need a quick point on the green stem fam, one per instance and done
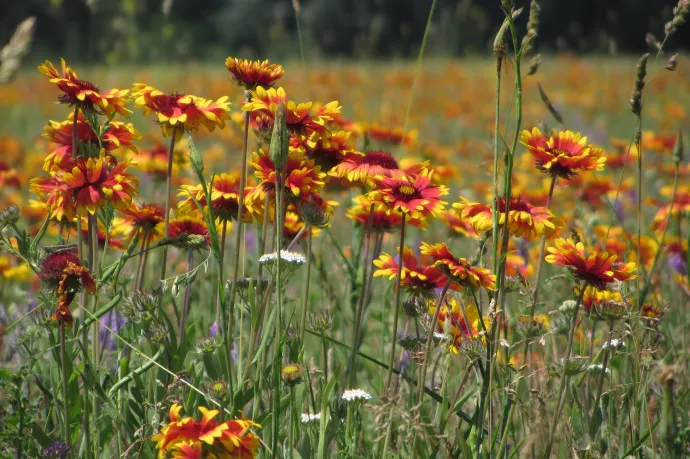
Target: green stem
(362, 299)
(279, 321)
(187, 292)
(65, 387)
(398, 284)
(305, 300)
(238, 234)
(168, 199)
(600, 383)
(564, 377)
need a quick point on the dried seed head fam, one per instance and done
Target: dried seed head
(206, 345)
(651, 41)
(532, 27)
(672, 62)
(320, 320)
(640, 74)
(9, 216)
(534, 65)
(680, 14)
(313, 215)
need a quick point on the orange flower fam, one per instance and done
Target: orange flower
(206, 437)
(142, 219)
(179, 112)
(224, 197)
(360, 169)
(417, 278)
(154, 161)
(84, 93)
(459, 269)
(250, 74)
(411, 195)
(458, 225)
(597, 269)
(669, 211)
(8, 176)
(299, 119)
(86, 187)
(564, 154)
(524, 219)
(394, 136)
(382, 220)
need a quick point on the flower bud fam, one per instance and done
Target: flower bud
(279, 146)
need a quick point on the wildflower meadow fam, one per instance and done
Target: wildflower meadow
(481, 257)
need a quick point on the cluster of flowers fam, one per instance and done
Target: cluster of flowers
(189, 438)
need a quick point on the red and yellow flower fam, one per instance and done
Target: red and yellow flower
(179, 112)
(84, 93)
(224, 197)
(154, 161)
(459, 226)
(596, 269)
(361, 170)
(564, 154)
(206, 437)
(303, 180)
(190, 231)
(524, 219)
(416, 277)
(250, 74)
(118, 135)
(143, 219)
(382, 220)
(86, 187)
(299, 119)
(463, 325)
(604, 303)
(414, 196)
(64, 273)
(458, 269)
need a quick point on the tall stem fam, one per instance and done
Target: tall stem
(305, 301)
(497, 112)
(240, 209)
(398, 281)
(362, 299)
(65, 387)
(148, 236)
(279, 304)
(429, 338)
(564, 375)
(223, 235)
(187, 292)
(168, 198)
(600, 383)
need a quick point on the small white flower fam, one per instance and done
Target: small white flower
(616, 344)
(309, 418)
(285, 256)
(504, 343)
(439, 336)
(355, 395)
(597, 369)
(568, 306)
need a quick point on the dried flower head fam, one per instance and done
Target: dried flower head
(320, 320)
(638, 85)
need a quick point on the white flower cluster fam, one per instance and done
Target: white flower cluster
(616, 344)
(355, 395)
(308, 418)
(597, 369)
(285, 256)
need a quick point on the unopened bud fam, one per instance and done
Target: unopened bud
(279, 139)
(678, 148)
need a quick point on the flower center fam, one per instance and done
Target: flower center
(407, 190)
(380, 158)
(83, 84)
